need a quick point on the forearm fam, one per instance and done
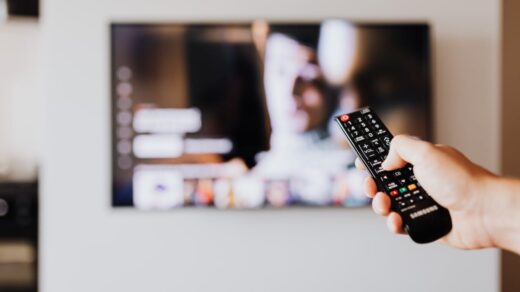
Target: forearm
(502, 218)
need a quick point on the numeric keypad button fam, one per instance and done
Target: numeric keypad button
(355, 134)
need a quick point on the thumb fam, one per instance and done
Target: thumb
(405, 149)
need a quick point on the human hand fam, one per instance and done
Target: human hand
(450, 178)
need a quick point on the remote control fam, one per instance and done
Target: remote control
(423, 218)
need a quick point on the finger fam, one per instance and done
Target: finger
(395, 223)
(359, 164)
(381, 204)
(370, 187)
(405, 149)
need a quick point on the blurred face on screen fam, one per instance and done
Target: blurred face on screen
(309, 105)
(294, 86)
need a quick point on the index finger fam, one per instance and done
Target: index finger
(405, 149)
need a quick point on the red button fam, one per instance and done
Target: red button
(394, 193)
(344, 118)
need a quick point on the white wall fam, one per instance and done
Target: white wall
(87, 246)
(20, 99)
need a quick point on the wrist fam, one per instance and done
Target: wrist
(500, 211)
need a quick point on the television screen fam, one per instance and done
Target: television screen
(241, 115)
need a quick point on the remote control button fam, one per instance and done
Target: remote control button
(381, 132)
(394, 193)
(367, 130)
(359, 120)
(376, 162)
(386, 140)
(399, 198)
(380, 150)
(403, 181)
(397, 173)
(403, 190)
(402, 204)
(365, 110)
(359, 139)
(407, 195)
(344, 118)
(368, 151)
(371, 155)
(412, 187)
(364, 146)
(376, 126)
(391, 185)
(384, 177)
(378, 169)
(416, 192)
(411, 201)
(375, 142)
(350, 129)
(355, 134)
(370, 135)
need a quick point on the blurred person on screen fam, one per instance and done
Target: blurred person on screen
(301, 105)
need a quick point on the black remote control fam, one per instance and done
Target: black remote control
(423, 218)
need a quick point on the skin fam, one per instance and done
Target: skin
(485, 208)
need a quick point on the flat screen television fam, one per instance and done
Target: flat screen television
(239, 115)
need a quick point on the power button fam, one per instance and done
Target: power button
(344, 118)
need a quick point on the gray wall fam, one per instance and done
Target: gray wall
(87, 246)
(20, 99)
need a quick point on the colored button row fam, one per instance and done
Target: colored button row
(403, 190)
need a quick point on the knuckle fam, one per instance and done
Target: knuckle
(424, 150)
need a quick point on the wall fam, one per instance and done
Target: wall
(87, 246)
(20, 102)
